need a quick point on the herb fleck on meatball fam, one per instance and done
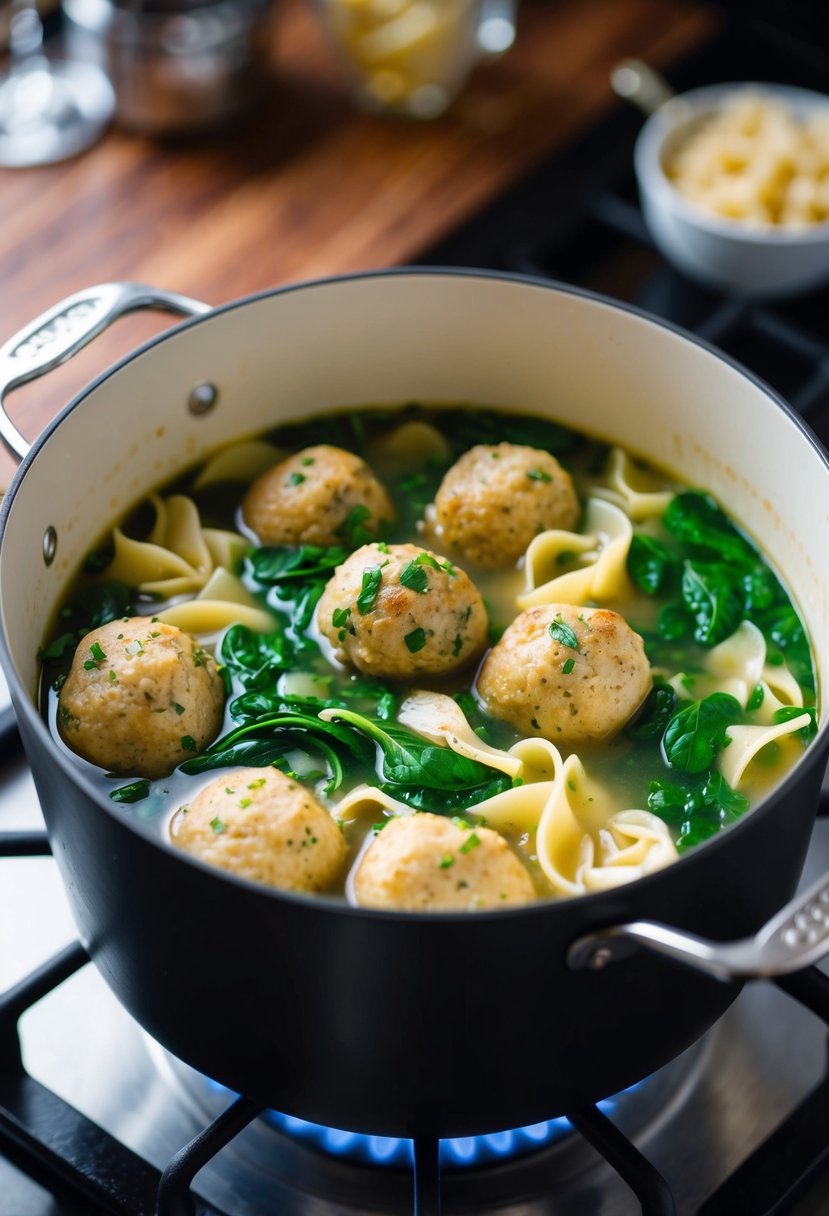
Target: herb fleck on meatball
(320, 496)
(399, 611)
(260, 824)
(495, 499)
(428, 863)
(570, 674)
(140, 696)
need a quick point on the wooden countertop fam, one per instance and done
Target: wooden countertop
(308, 186)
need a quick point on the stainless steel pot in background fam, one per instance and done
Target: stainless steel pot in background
(177, 66)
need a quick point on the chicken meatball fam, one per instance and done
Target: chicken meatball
(495, 499)
(140, 697)
(570, 674)
(262, 825)
(399, 611)
(319, 496)
(428, 863)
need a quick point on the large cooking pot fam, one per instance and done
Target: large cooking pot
(399, 1023)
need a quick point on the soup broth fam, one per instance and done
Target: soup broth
(729, 701)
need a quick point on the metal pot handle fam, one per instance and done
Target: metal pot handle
(796, 937)
(65, 329)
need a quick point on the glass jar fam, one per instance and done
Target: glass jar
(411, 58)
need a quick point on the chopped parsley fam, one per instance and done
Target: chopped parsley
(414, 576)
(296, 479)
(307, 461)
(446, 861)
(562, 633)
(538, 475)
(372, 577)
(353, 526)
(188, 743)
(415, 640)
(471, 842)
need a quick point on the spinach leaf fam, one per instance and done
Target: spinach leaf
(700, 811)
(406, 758)
(697, 518)
(787, 712)
(134, 792)
(695, 734)
(276, 564)
(94, 605)
(266, 740)
(448, 802)
(256, 658)
(713, 600)
(360, 694)
(760, 589)
(656, 712)
(651, 565)
(465, 428)
(781, 625)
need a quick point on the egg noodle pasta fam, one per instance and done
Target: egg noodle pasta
(638, 501)
(604, 544)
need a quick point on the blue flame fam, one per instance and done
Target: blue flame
(458, 1152)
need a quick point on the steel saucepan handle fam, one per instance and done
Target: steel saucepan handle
(796, 937)
(65, 329)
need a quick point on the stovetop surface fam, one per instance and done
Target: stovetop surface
(575, 219)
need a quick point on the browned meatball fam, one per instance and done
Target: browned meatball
(429, 863)
(314, 498)
(399, 610)
(140, 697)
(495, 499)
(262, 825)
(570, 674)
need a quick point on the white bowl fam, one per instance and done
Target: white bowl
(728, 255)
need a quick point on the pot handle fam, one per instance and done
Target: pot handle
(796, 937)
(63, 330)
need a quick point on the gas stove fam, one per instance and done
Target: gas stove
(94, 1114)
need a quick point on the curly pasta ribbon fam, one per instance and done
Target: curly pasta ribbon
(222, 602)
(243, 461)
(745, 742)
(738, 666)
(631, 489)
(179, 556)
(576, 860)
(408, 446)
(604, 544)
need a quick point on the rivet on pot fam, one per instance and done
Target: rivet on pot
(50, 545)
(600, 958)
(202, 399)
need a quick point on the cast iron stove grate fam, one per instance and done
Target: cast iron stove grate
(45, 1135)
(576, 220)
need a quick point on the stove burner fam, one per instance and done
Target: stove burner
(457, 1153)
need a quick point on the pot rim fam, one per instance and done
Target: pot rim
(322, 903)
